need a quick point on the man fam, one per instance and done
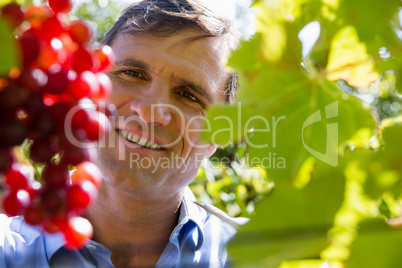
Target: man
(168, 71)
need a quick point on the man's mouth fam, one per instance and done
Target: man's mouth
(131, 137)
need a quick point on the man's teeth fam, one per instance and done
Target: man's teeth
(140, 141)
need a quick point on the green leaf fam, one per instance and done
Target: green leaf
(224, 123)
(4, 2)
(21, 2)
(349, 61)
(394, 63)
(371, 18)
(383, 167)
(250, 63)
(310, 264)
(377, 245)
(391, 130)
(291, 223)
(277, 31)
(274, 36)
(8, 52)
(355, 207)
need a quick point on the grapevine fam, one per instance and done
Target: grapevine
(58, 70)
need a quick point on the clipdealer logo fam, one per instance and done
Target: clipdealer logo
(330, 156)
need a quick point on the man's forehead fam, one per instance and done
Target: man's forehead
(214, 49)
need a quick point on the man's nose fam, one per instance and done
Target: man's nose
(152, 107)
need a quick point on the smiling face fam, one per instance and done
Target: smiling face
(162, 87)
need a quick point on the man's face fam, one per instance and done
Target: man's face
(162, 87)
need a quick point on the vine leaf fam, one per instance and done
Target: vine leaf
(384, 172)
(291, 223)
(8, 53)
(371, 18)
(376, 246)
(349, 61)
(21, 2)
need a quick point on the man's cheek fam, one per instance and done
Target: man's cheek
(194, 130)
(118, 95)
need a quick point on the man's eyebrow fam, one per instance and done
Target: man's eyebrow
(198, 89)
(133, 63)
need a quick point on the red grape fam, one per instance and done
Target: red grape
(85, 85)
(33, 215)
(77, 232)
(43, 126)
(15, 202)
(13, 12)
(79, 196)
(87, 171)
(33, 189)
(96, 127)
(50, 54)
(33, 80)
(35, 15)
(105, 87)
(17, 176)
(30, 47)
(106, 57)
(59, 111)
(52, 28)
(55, 176)
(53, 201)
(50, 99)
(83, 60)
(57, 80)
(80, 118)
(80, 32)
(63, 6)
(42, 151)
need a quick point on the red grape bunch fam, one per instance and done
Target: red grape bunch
(58, 71)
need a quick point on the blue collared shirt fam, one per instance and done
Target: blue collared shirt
(198, 240)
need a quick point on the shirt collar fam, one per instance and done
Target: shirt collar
(189, 211)
(53, 242)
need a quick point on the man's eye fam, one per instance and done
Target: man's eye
(133, 73)
(188, 95)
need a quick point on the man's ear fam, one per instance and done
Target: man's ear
(210, 151)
